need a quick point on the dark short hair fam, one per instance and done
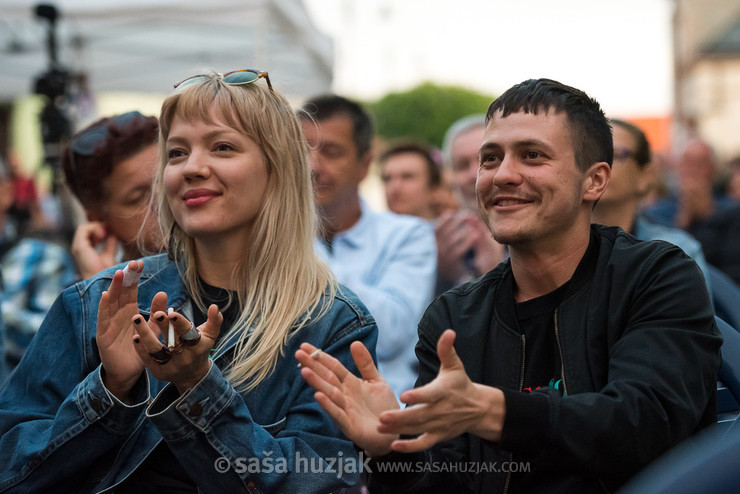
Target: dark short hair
(642, 147)
(434, 171)
(330, 105)
(117, 139)
(590, 132)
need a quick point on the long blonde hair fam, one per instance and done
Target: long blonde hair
(280, 278)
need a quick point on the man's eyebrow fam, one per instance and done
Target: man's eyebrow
(487, 146)
(532, 142)
(518, 144)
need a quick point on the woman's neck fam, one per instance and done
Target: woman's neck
(218, 261)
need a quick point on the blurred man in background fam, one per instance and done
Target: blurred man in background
(465, 249)
(412, 179)
(695, 199)
(387, 259)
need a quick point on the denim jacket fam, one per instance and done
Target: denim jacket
(62, 431)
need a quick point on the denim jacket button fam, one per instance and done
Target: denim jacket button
(195, 410)
(96, 404)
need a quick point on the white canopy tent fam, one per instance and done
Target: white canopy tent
(115, 50)
(147, 45)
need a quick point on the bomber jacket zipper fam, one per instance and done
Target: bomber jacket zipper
(521, 386)
(562, 376)
(560, 350)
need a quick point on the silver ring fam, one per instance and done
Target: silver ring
(192, 337)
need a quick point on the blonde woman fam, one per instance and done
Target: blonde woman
(176, 373)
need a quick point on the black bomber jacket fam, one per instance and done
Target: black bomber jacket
(640, 353)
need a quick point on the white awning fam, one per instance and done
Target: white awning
(147, 45)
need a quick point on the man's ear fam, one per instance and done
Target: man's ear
(364, 162)
(595, 181)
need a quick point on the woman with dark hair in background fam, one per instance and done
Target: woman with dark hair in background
(109, 166)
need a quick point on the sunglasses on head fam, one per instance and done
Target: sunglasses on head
(86, 143)
(233, 78)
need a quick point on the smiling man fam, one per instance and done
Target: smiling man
(568, 367)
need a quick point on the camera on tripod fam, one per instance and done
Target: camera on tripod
(54, 84)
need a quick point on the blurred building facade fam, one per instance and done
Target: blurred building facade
(707, 73)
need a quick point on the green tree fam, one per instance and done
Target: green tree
(425, 112)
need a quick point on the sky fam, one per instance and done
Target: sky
(617, 51)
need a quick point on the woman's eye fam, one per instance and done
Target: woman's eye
(174, 153)
(222, 146)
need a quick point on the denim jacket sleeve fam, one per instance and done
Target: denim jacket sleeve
(56, 417)
(212, 430)
(60, 429)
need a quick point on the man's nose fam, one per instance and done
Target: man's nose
(314, 162)
(507, 172)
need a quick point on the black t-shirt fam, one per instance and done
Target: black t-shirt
(536, 319)
(160, 472)
(227, 303)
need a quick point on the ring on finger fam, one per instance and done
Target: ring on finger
(191, 337)
(161, 356)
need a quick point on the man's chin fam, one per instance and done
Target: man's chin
(508, 237)
(322, 199)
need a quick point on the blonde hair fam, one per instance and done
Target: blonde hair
(280, 277)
